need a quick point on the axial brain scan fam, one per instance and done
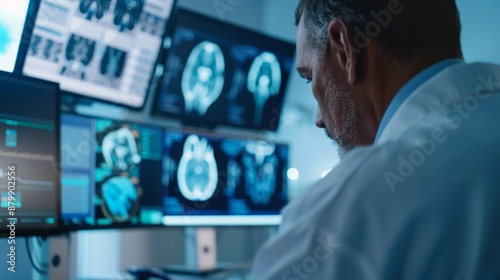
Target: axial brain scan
(119, 149)
(203, 77)
(197, 174)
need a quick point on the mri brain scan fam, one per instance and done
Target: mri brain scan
(127, 13)
(260, 165)
(94, 8)
(197, 174)
(264, 81)
(79, 54)
(119, 149)
(120, 198)
(203, 77)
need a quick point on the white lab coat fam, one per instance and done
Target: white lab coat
(422, 203)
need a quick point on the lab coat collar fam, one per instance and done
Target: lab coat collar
(411, 87)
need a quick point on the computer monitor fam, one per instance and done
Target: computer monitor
(111, 173)
(13, 16)
(220, 74)
(104, 50)
(29, 152)
(215, 181)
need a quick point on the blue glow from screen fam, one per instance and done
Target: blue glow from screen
(12, 19)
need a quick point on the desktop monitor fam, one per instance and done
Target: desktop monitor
(105, 50)
(13, 16)
(220, 74)
(111, 173)
(211, 180)
(29, 152)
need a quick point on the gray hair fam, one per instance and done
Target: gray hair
(424, 27)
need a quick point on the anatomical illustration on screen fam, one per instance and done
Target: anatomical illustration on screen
(94, 9)
(45, 48)
(123, 15)
(264, 81)
(111, 67)
(117, 170)
(151, 24)
(78, 55)
(203, 77)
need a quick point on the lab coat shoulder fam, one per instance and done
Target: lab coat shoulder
(411, 207)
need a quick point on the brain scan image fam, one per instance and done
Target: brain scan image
(197, 174)
(79, 54)
(120, 198)
(127, 13)
(119, 149)
(264, 81)
(203, 77)
(112, 65)
(94, 9)
(260, 164)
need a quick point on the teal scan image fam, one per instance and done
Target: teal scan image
(12, 19)
(115, 168)
(209, 176)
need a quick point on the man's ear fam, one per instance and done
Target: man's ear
(341, 39)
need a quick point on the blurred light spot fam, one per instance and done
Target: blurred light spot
(293, 174)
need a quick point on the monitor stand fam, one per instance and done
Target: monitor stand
(201, 253)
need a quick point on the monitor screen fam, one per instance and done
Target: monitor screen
(29, 150)
(220, 74)
(12, 19)
(223, 181)
(111, 173)
(104, 49)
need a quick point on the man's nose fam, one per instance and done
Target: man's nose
(319, 120)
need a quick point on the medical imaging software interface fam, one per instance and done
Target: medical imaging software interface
(222, 176)
(111, 173)
(221, 74)
(28, 154)
(104, 49)
(12, 18)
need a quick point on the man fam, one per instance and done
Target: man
(417, 194)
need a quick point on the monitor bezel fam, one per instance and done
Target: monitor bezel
(229, 28)
(56, 165)
(83, 96)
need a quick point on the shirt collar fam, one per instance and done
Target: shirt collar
(411, 87)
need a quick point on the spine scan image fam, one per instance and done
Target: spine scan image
(264, 81)
(197, 173)
(203, 77)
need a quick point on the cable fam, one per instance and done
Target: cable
(30, 257)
